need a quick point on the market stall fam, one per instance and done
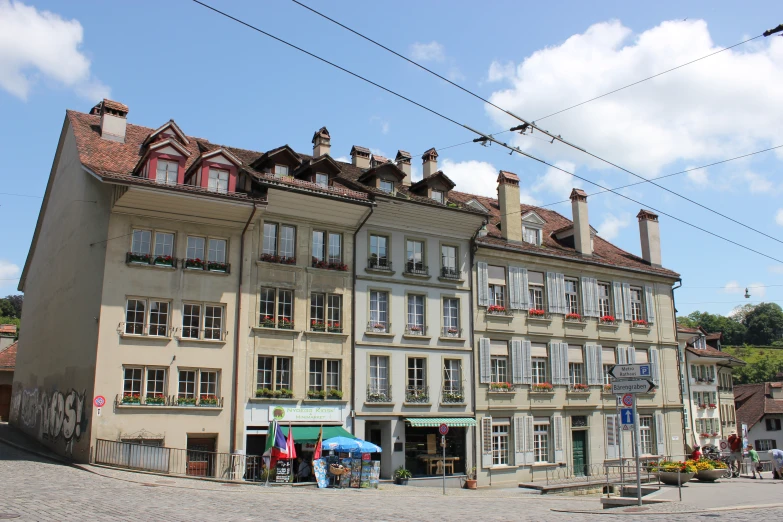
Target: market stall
(346, 463)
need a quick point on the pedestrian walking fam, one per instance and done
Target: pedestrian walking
(696, 455)
(735, 457)
(755, 463)
(776, 457)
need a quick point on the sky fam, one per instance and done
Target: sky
(224, 82)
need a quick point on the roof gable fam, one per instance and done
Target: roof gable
(168, 126)
(433, 180)
(532, 218)
(385, 168)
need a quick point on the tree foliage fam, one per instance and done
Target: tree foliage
(764, 324)
(733, 331)
(11, 306)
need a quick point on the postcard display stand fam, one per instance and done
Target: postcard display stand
(360, 474)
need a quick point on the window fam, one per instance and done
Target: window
(500, 442)
(379, 374)
(499, 368)
(270, 239)
(607, 377)
(452, 376)
(645, 434)
(576, 373)
(448, 256)
(415, 256)
(164, 244)
(438, 196)
(531, 235)
(538, 368)
(276, 308)
(415, 315)
(571, 296)
(196, 247)
(137, 322)
(135, 312)
(159, 318)
(187, 384)
(131, 384)
(274, 373)
(497, 286)
(379, 252)
(416, 390)
(287, 241)
(218, 180)
(325, 312)
(334, 305)
(324, 375)
(156, 383)
(765, 445)
(191, 321)
(140, 244)
(321, 179)
(142, 382)
(387, 186)
(636, 304)
(535, 284)
(208, 384)
(541, 439)
(604, 301)
(281, 171)
(213, 322)
(450, 317)
(166, 173)
(285, 305)
(379, 302)
(773, 424)
(319, 245)
(335, 247)
(217, 251)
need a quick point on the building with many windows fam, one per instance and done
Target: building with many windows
(760, 414)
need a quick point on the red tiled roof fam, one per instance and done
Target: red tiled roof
(7, 329)
(8, 357)
(115, 106)
(604, 253)
(709, 351)
(753, 401)
(688, 330)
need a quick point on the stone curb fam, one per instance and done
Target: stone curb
(686, 512)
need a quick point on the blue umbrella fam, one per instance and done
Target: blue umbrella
(367, 447)
(343, 444)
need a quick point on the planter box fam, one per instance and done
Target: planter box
(670, 477)
(711, 475)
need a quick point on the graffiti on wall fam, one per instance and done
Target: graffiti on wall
(54, 416)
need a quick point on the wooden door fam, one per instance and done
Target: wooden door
(579, 439)
(201, 457)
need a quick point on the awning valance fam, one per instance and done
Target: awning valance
(310, 433)
(434, 422)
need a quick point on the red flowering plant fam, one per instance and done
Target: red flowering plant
(317, 326)
(157, 399)
(496, 309)
(579, 387)
(541, 387)
(536, 312)
(500, 386)
(607, 388)
(194, 263)
(208, 400)
(164, 260)
(136, 257)
(713, 406)
(217, 266)
(272, 258)
(640, 322)
(131, 398)
(267, 321)
(335, 326)
(285, 323)
(607, 319)
(573, 317)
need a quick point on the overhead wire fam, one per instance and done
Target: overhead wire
(486, 137)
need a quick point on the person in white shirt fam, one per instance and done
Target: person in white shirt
(776, 457)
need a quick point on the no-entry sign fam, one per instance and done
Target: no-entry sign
(99, 401)
(443, 429)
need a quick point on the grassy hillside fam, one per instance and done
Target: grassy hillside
(752, 354)
(763, 363)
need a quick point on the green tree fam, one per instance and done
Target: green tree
(764, 324)
(733, 331)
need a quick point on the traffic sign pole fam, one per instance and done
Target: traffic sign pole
(638, 460)
(443, 429)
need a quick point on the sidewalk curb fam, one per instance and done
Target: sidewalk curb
(670, 513)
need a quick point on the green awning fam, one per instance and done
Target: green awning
(434, 422)
(310, 433)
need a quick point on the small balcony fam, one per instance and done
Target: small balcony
(158, 399)
(379, 394)
(451, 331)
(208, 266)
(419, 330)
(145, 330)
(135, 258)
(379, 264)
(450, 273)
(324, 264)
(417, 394)
(417, 269)
(317, 325)
(452, 395)
(378, 327)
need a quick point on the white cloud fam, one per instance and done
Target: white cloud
(775, 269)
(757, 183)
(474, 177)
(698, 177)
(428, 52)
(41, 45)
(611, 225)
(8, 270)
(757, 290)
(500, 71)
(779, 217)
(344, 159)
(378, 152)
(556, 181)
(383, 123)
(455, 75)
(733, 287)
(527, 198)
(645, 127)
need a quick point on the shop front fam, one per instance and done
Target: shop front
(424, 452)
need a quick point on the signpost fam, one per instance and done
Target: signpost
(631, 371)
(632, 386)
(626, 416)
(443, 429)
(99, 402)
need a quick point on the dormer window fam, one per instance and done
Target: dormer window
(166, 173)
(437, 195)
(321, 179)
(281, 171)
(218, 180)
(532, 236)
(387, 186)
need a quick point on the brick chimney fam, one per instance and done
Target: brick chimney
(582, 242)
(360, 157)
(403, 161)
(508, 200)
(429, 163)
(650, 235)
(321, 142)
(113, 119)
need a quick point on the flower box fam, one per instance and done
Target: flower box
(713, 406)
(131, 399)
(155, 400)
(264, 393)
(285, 393)
(607, 388)
(608, 320)
(215, 266)
(186, 401)
(536, 312)
(271, 258)
(267, 321)
(335, 394)
(573, 317)
(138, 258)
(496, 310)
(580, 388)
(543, 387)
(334, 327)
(640, 323)
(453, 397)
(714, 434)
(285, 324)
(705, 435)
(164, 261)
(329, 265)
(194, 263)
(317, 326)
(501, 387)
(209, 401)
(316, 394)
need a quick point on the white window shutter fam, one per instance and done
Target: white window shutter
(513, 287)
(551, 291)
(631, 357)
(519, 440)
(617, 289)
(660, 436)
(486, 442)
(621, 355)
(593, 364)
(594, 286)
(561, 294)
(650, 303)
(587, 354)
(557, 422)
(599, 363)
(483, 284)
(587, 303)
(554, 361)
(516, 362)
(525, 298)
(485, 374)
(655, 366)
(564, 364)
(527, 363)
(627, 300)
(612, 437)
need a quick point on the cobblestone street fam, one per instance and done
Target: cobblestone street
(37, 489)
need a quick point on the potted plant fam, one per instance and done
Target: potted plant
(285, 393)
(536, 312)
(640, 323)
(317, 326)
(194, 263)
(401, 476)
(216, 266)
(164, 260)
(209, 401)
(496, 310)
(131, 398)
(316, 394)
(138, 258)
(156, 399)
(579, 387)
(500, 386)
(335, 394)
(470, 478)
(335, 327)
(713, 406)
(285, 323)
(674, 472)
(379, 327)
(607, 388)
(186, 401)
(263, 392)
(267, 321)
(607, 319)
(573, 317)
(708, 470)
(542, 387)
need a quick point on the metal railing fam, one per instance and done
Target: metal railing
(209, 266)
(449, 273)
(417, 394)
(379, 263)
(377, 327)
(379, 394)
(605, 472)
(150, 259)
(450, 331)
(145, 330)
(414, 268)
(416, 329)
(452, 395)
(158, 399)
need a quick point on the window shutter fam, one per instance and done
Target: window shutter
(631, 357)
(627, 301)
(529, 440)
(486, 442)
(519, 440)
(557, 421)
(561, 293)
(551, 290)
(650, 302)
(485, 375)
(525, 299)
(564, 363)
(594, 366)
(612, 437)
(517, 362)
(621, 355)
(589, 362)
(655, 366)
(518, 293)
(587, 304)
(714, 398)
(527, 363)
(483, 284)
(599, 363)
(659, 434)
(617, 290)
(554, 361)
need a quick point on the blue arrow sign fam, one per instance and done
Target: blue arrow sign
(626, 415)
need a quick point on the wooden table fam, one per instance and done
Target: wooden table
(435, 464)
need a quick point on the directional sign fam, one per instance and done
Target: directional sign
(628, 400)
(631, 371)
(633, 387)
(626, 416)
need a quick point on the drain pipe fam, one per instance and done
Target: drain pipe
(680, 367)
(235, 384)
(473, 250)
(353, 324)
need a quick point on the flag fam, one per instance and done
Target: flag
(278, 446)
(318, 444)
(290, 449)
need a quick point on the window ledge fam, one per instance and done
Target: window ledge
(328, 270)
(417, 404)
(275, 330)
(326, 334)
(379, 334)
(416, 337)
(575, 324)
(416, 276)
(645, 329)
(385, 404)
(544, 465)
(453, 404)
(379, 271)
(202, 271)
(182, 340)
(147, 265)
(502, 392)
(273, 399)
(539, 319)
(451, 280)
(499, 317)
(453, 339)
(606, 326)
(166, 407)
(146, 337)
(501, 467)
(541, 393)
(272, 263)
(571, 393)
(336, 401)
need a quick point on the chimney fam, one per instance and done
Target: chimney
(650, 235)
(360, 157)
(403, 161)
(113, 119)
(430, 163)
(582, 241)
(321, 143)
(508, 200)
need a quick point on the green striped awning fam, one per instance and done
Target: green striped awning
(434, 422)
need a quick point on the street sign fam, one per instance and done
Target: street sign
(724, 445)
(637, 386)
(99, 401)
(443, 429)
(626, 416)
(626, 427)
(628, 400)
(98, 411)
(631, 371)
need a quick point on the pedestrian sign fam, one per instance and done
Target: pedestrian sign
(626, 416)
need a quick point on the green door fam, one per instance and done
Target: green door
(580, 452)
